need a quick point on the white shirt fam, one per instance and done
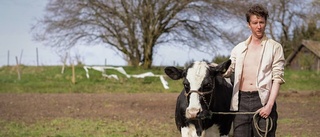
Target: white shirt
(271, 68)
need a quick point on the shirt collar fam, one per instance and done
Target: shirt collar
(264, 40)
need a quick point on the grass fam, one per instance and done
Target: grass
(48, 79)
(71, 127)
(301, 80)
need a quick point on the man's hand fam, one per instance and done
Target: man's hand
(265, 111)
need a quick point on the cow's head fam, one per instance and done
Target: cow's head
(199, 81)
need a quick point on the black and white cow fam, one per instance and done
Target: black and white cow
(205, 91)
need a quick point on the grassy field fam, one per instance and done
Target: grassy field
(71, 127)
(301, 81)
(48, 79)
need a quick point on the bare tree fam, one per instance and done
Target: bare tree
(133, 27)
(284, 17)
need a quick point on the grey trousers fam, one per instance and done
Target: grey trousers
(243, 124)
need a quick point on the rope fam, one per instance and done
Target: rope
(258, 129)
(255, 118)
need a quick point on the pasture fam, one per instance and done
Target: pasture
(45, 103)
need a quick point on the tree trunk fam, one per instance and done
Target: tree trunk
(147, 55)
(133, 61)
(147, 61)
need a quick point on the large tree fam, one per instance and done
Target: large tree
(135, 28)
(132, 27)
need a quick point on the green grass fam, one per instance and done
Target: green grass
(301, 80)
(70, 127)
(48, 79)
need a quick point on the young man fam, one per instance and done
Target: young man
(258, 66)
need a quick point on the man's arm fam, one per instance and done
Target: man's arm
(266, 110)
(277, 80)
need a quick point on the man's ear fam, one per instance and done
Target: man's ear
(223, 67)
(174, 73)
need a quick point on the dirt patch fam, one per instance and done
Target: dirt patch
(298, 112)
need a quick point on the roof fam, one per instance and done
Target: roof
(313, 46)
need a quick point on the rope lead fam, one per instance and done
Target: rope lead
(256, 125)
(255, 118)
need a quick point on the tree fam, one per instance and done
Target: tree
(219, 59)
(132, 27)
(136, 28)
(284, 17)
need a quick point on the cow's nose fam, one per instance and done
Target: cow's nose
(192, 112)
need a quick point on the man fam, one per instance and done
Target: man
(258, 66)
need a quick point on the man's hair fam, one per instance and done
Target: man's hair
(257, 10)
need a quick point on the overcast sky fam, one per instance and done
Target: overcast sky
(17, 16)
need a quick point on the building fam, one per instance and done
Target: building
(305, 57)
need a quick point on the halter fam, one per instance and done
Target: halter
(201, 94)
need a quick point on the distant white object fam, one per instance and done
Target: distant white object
(164, 82)
(143, 75)
(122, 71)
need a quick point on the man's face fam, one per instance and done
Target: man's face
(257, 25)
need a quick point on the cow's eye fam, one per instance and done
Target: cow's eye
(187, 87)
(207, 87)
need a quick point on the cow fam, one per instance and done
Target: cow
(205, 92)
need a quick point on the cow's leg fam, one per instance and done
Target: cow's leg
(189, 131)
(231, 130)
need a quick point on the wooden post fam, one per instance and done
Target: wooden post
(37, 56)
(8, 62)
(18, 69)
(73, 75)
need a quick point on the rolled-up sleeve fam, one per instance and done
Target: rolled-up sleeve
(278, 65)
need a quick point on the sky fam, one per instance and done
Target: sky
(17, 17)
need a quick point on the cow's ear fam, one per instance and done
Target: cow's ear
(223, 67)
(174, 73)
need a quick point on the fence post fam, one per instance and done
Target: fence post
(8, 61)
(73, 75)
(18, 69)
(37, 56)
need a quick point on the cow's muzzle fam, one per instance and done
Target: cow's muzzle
(192, 113)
